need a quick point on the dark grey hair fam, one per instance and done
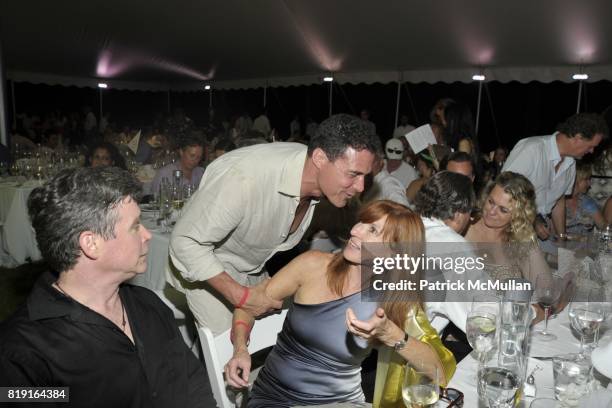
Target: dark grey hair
(339, 132)
(74, 201)
(444, 194)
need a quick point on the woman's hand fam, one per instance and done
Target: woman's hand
(377, 327)
(238, 368)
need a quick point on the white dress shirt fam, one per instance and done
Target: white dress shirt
(536, 158)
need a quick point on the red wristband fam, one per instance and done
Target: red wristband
(244, 298)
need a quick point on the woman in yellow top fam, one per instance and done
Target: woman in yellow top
(329, 329)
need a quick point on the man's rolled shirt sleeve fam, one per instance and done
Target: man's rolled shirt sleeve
(211, 215)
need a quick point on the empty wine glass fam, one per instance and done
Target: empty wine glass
(587, 312)
(421, 385)
(547, 293)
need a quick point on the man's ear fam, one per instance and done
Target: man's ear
(90, 244)
(319, 158)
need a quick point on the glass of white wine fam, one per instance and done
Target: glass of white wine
(421, 386)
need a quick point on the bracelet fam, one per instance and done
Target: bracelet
(241, 323)
(243, 299)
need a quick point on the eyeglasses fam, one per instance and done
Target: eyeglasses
(452, 396)
(394, 151)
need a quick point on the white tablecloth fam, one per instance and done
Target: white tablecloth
(465, 376)
(17, 237)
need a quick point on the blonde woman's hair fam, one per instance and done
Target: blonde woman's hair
(583, 171)
(523, 206)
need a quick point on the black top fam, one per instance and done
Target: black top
(55, 341)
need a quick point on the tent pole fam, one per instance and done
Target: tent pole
(579, 96)
(4, 135)
(265, 95)
(478, 107)
(331, 85)
(397, 102)
(101, 110)
(13, 104)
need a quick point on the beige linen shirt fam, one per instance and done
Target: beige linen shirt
(242, 212)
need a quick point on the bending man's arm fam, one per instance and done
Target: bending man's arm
(215, 210)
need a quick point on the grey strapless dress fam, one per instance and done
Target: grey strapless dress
(315, 359)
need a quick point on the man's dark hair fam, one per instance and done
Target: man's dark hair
(444, 194)
(587, 124)
(74, 201)
(459, 157)
(339, 132)
(189, 141)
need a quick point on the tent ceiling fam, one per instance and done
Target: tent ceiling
(157, 44)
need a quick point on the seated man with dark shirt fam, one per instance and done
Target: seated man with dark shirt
(112, 344)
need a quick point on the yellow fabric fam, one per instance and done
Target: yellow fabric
(391, 366)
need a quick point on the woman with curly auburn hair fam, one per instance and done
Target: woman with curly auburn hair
(507, 214)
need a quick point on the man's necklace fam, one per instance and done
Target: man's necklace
(123, 321)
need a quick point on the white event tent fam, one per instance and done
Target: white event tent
(232, 44)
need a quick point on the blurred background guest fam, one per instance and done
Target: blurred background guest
(581, 211)
(191, 150)
(104, 154)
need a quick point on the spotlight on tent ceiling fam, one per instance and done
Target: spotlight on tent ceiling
(207, 87)
(478, 77)
(328, 79)
(580, 77)
(102, 85)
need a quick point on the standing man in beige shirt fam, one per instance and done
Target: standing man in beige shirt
(254, 202)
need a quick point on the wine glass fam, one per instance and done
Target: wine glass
(547, 293)
(481, 325)
(421, 385)
(587, 312)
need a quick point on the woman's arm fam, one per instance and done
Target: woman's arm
(379, 327)
(285, 283)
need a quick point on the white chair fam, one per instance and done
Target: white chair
(218, 350)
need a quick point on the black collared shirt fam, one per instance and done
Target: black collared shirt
(55, 341)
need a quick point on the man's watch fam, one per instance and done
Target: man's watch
(400, 344)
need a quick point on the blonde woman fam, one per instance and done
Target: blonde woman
(581, 211)
(506, 217)
(329, 330)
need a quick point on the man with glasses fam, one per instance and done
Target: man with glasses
(256, 201)
(396, 166)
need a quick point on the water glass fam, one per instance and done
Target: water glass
(513, 334)
(481, 325)
(572, 376)
(586, 312)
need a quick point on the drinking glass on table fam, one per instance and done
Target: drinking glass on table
(499, 381)
(547, 293)
(481, 325)
(587, 311)
(572, 375)
(421, 385)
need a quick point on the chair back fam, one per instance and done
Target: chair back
(218, 350)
